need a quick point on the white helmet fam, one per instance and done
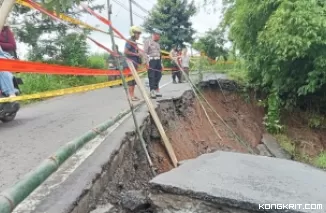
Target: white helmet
(135, 29)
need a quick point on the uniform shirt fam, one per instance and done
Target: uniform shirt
(152, 48)
(185, 59)
(134, 49)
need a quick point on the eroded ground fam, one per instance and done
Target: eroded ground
(191, 133)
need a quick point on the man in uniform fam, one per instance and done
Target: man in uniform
(132, 53)
(154, 61)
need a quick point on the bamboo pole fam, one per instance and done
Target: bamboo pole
(155, 117)
(5, 9)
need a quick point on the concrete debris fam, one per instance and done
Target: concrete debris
(134, 200)
(262, 149)
(274, 147)
(168, 203)
(103, 209)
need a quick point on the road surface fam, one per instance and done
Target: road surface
(41, 128)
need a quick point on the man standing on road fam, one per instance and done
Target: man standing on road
(154, 61)
(176, 73)
(131, 52)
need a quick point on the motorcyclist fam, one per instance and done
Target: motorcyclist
(8, 51)
(7, 41)
(7, 87)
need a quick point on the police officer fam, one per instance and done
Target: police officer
(132, 53)
(154, 61)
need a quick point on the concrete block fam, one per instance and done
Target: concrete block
(262, 149)
(83, 204)
(105, 179)
(243, 180)
(274, 147)
(97, 189)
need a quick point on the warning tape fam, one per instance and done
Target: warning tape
(64, 17)
(55, 17)
(66, 91)
(41, 68)
(70, 19)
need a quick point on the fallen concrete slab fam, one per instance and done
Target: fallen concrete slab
(274, 147)
(246, 182)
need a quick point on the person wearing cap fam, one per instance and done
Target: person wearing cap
(154, 61)
(132, 53)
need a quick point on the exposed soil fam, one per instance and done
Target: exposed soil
(305, 141)
(191, 133)
(239, 123)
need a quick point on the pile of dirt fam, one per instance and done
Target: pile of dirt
(191, 134)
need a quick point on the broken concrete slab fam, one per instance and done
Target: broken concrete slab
(103, 209)
(169, 203)
(274, 147)
(246, 181)
(262, 149)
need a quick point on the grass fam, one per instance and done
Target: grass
(286, 143)
(35, 83)
(289, 145)
(320, 160)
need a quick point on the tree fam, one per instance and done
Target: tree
(38, 30)
(212, 43)
(172, 18)
(71, 50)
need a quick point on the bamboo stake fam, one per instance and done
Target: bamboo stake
(155, 117)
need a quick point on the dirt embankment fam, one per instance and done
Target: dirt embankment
(191, 133)
(239, 123)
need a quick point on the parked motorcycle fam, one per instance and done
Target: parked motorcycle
(8, 111)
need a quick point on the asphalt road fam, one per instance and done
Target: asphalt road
(41, 128)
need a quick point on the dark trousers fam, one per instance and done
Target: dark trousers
(154, 74)
(176, 74)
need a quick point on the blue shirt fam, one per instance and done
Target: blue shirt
(134, 49)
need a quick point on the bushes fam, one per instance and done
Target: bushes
(283, 44)
(34, 83)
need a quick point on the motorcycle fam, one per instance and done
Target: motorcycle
(7, 112)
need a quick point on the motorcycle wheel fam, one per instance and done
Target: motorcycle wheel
(9, 118)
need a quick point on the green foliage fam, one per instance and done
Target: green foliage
(34, 83)
(272, 118)
(320, 161)
(212, 44)
(172, 17)
(36, 29)
(97, 61)
(69, 50)
(283, 43)
(287, 144)
(316, 121)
